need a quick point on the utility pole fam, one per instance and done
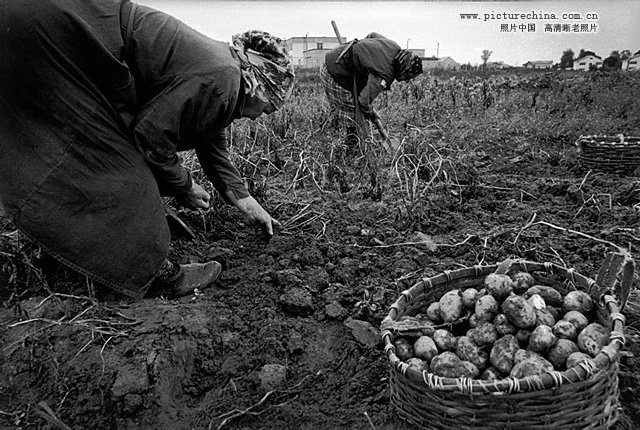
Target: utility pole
(438, 50)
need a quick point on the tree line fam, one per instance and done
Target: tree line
(613, 61)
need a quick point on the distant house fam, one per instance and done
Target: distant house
(538, 64)
(632, 63)
(500, 65)
(439, 63)
(314, 58)
(297, 46)
(587, 62)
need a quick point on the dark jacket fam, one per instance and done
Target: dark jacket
(370, 61)
(187, 87)
(84, 117)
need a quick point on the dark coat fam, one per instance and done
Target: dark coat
(83, 118)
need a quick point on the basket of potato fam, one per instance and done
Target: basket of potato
(510, 346)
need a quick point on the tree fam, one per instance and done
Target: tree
(566, 61)
(485, 57)
(624, 54)
(584, 53)
(612, 62)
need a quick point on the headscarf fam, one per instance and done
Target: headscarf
(265, 66)
(407, 65)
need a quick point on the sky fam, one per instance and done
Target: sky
(542, 30)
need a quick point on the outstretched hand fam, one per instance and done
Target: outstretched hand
(195, 198)
(256, 213)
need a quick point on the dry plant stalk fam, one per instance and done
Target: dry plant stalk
(532, 223)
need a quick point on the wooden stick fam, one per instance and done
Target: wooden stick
(335, 29)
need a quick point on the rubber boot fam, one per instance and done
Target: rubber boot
(179, 280)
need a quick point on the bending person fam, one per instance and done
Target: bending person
(354, 74)
(97, 99)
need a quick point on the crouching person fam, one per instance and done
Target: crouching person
(97, 99)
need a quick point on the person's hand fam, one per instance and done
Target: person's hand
(373, 115)
(195, 198)
(256, 213)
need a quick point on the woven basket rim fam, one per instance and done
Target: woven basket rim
(582, 371)
(609, 140)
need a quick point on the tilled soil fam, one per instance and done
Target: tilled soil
(288, 337)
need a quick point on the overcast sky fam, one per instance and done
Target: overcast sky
(435, 26)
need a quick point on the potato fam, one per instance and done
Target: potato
(473, 321)
(523, 336)
(520, 312)
(425, 348)
(471, 369)
(451, 306)
(565, 330)
(469, 297)
(433, 312)
(445, 340)
(537, 301)
(544, 317)
(577, 301)
(576, 358)
(491, 374)
(577, 319)
(592, 338)
(542, 338)
(484, 334)
(467, 350)
(449, 365)
(559, 353)
(555, 312)
(418, 364)
(503, 353)
(522, 281)
(499, 286)
(525, 354)
(530, 367)
(503, 325)
(404, 349)
(486, 308)
(551, 296)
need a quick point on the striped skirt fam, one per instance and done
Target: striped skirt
(341, 104)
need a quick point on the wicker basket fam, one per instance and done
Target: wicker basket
(583, 397)
(615, 154)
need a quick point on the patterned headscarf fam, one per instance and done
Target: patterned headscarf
(407, 65)
(265, 66)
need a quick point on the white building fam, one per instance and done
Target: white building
(314, 58)
(539, 64)
(586, 62)
(632, 63)
(297, 46)
(440, 63)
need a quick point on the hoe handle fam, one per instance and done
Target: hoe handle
(335, 29)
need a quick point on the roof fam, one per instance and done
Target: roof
(539, 62)
(586, 56)
(314, 38)
(437, 60)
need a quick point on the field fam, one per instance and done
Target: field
(484, 168)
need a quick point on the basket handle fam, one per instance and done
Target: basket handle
(616, 275)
